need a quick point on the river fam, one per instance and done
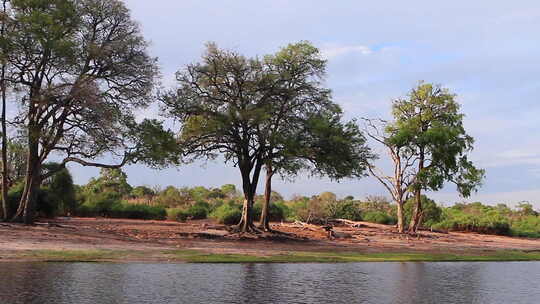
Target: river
(96, 283)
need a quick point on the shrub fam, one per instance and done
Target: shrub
(431, 212)
(131, 211)
(198, 211)
(528, 226)
(172, 213)
(349, 210)
(491, 222)
(276, 212)
(379, 217)
(228, 214)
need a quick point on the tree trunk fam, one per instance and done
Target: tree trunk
(246, 222)
(5, 172)
(401, 221)
(417, 215)
(27, 204)
(264, 221)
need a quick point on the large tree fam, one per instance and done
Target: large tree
(4, 45)
(259, 113)
(306, 131)
(81, 70)
(222, 106)
(430, 125)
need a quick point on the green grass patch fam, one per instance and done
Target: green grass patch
(350, 257)
(193, 256)
(78, 255)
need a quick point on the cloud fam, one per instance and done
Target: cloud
(337, 51)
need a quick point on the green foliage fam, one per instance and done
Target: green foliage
(430, 126)
(379, 217)
(134, 211)
(142, 192)
(431, 213)
(61, 193)
(475, 218)
(110, 180)
(527, 226)
(276, 212)
(348, 210)
(228, 214)
(176, 214)
(198, 211)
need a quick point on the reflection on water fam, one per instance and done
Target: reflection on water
(271, 283)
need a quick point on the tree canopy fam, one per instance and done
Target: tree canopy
(430, 125)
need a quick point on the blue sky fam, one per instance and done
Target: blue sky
(487, 52)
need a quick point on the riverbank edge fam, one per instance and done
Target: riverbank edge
(196, 256)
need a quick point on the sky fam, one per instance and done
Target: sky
(487, 52)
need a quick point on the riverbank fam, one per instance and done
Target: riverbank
(113, 240)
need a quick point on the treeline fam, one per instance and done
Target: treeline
(110, 195)
(75, 72)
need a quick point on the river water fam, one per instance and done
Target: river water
(96, 283)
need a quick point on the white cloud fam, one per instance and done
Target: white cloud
(336, 51)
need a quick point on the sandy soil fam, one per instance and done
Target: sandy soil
(207, 236)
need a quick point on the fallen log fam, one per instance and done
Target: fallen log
(55, 225)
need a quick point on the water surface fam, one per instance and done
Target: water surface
(95, 283)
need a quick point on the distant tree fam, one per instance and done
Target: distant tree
(142, 192)
(428, 123)
(81, 69)
(526, 208)
(229, 190)
(61, 190)
(110, 180)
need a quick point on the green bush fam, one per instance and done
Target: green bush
(349, 210)
(431, 212)
(142, 212)
(198, 211)
(528, 226)
(457, 219)
(276, 212)
(378, 217)
(228, 214)
(173, 213)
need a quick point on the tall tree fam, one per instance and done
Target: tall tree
(429, 123)
(305, 130)
(222, 106)
(3, 86)
(403, 159)
(271, 113)
(82, 69)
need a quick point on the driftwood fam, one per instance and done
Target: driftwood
(55, 225)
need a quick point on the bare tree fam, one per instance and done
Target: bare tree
(399, 181)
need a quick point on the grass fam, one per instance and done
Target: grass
(350, 257)
(192, 256)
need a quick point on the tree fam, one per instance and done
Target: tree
(221, 104)
(82, 69)
(4, 48)
(428, 123)
(60, 190)
(257, 113)
(110, 180)
(403, 159)
(305, 130)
